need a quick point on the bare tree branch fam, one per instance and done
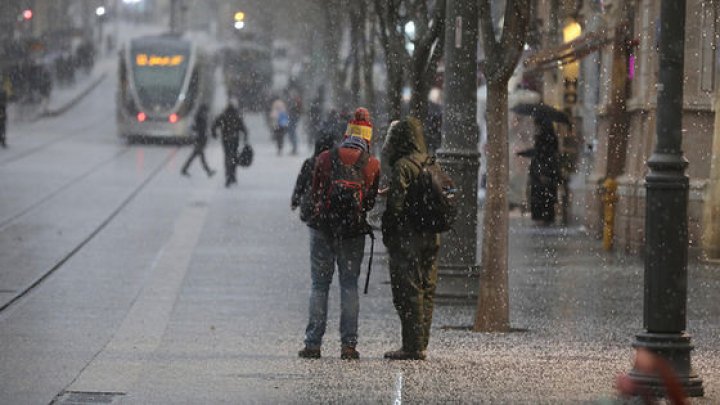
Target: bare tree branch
(490, 45)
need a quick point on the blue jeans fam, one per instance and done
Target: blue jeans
(324, 253)
(292, 133)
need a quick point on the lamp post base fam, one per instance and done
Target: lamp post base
(675, 348)
(457, 285)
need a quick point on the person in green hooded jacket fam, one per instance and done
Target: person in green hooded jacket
(413, 253)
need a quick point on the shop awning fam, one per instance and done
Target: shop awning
(569, 52)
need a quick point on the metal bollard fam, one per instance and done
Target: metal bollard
(609, 199)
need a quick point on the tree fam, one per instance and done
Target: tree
(393, 44)
(419, 62)
(493, 314)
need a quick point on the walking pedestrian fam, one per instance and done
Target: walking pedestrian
(200, 127)
(279, 121)
(345, 182)
(412, 253)
(230, 123)
(295, 109)
(3, 118)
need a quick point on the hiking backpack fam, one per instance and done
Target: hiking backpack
(433, 198)
(342, 212)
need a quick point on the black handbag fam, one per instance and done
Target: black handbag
(245, 157)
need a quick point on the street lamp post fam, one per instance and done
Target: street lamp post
(666, 228)
(458, 271)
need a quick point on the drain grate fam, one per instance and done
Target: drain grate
(86, 398)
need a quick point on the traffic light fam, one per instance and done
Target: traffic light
(27, 14)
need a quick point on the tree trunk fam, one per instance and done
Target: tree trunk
(420, 90)
(394, 88)
(368, 65)
(357, 22)
(493, 313)
(333, 38)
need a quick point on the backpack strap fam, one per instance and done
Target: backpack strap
(428, 161)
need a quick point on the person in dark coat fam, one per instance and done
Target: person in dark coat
(200, 126)
(230, 123)
(544, 173)
(334, 125)
(315, 116)
(3, 118)
(412, 253)
(295, 109)
(301, 196)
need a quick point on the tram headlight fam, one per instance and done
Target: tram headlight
(173, 118)
(141, 117)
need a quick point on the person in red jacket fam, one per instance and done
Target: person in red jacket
(345, 184)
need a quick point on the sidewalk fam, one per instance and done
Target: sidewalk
(236, 327)
(62, 98)
(65, 98)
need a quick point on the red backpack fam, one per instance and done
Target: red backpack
(342, 213)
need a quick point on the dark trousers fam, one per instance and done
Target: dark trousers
(230, 148)
(413, 277)
(2, 133)
(279, 136)
(199, 152)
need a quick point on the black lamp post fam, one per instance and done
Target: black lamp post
(666, 228)
(458, 270)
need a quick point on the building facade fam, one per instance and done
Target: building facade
(616, 111)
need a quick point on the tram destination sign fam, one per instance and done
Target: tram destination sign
(143, 59)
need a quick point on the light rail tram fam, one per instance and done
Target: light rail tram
(163, 80)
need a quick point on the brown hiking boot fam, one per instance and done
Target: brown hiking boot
(349, 353)
(403, 355)
(309, 353)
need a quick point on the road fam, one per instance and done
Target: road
(122, 281)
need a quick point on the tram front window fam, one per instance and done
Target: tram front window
(159, 77)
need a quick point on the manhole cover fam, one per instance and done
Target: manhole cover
(84, 398)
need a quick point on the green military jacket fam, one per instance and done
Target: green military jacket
(404, 144)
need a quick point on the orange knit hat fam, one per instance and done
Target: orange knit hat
(360, 126)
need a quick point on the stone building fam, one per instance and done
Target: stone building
(615, 112)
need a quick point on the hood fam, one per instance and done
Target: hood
(322, 144)
(404, 138)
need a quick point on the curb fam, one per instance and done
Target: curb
(75, 100)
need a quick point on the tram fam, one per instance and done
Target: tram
(163, 80)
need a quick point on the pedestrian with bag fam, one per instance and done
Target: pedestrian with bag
(345, 183)
(230, 123)
(420, 204)
(200, 127)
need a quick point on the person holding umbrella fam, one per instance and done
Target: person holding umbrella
(544, 173)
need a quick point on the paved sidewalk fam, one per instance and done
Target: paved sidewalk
(239, 320)
(65, 98)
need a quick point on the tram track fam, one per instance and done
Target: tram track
(96, 230)
(49, 196)
(39, 148)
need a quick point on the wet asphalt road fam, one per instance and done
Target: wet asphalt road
(119, 276)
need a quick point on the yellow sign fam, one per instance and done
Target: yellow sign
(143, 59)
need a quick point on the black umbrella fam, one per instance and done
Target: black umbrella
(542, 111)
